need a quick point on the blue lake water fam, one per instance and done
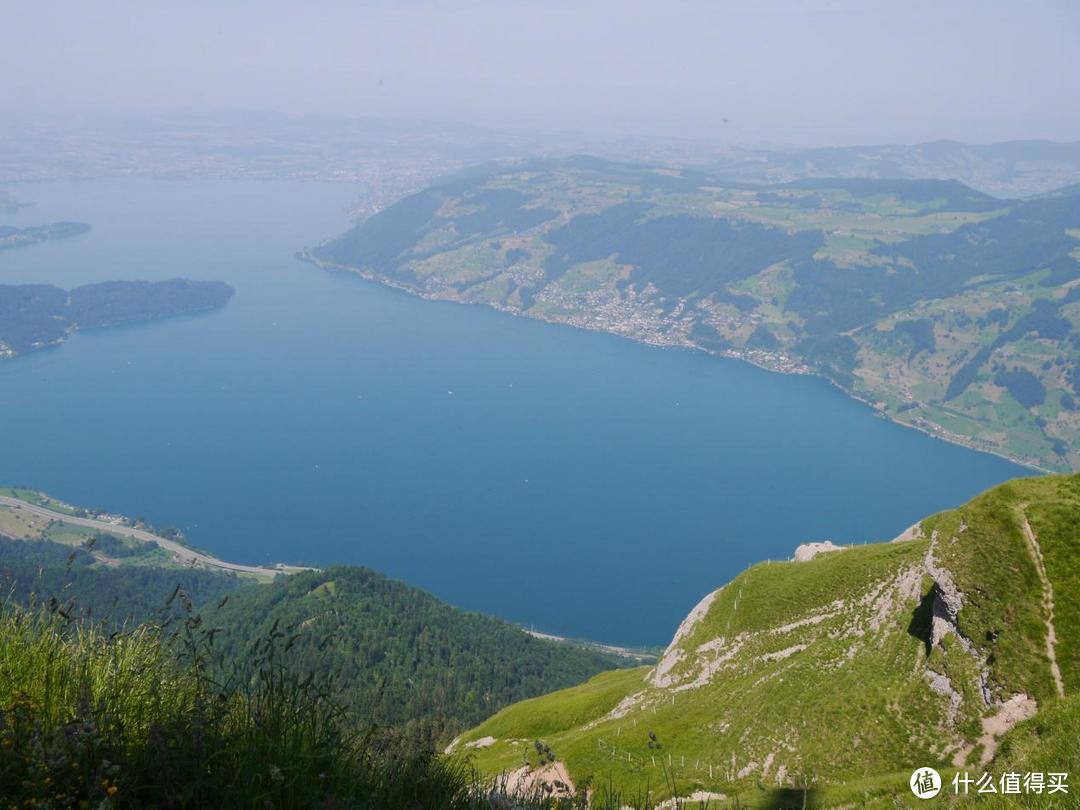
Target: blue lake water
(576, 482)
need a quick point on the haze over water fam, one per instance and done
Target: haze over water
(572, 481)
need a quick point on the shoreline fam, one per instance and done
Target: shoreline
(801, 369)
(640, 655)
(183, 554)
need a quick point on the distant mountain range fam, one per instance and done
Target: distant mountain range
(944, 307)
(386, 158)
(1007, 169)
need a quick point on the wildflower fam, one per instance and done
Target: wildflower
(113, 790)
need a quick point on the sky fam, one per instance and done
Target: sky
(793, 72)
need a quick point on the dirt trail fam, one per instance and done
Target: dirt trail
(551, 780)
(1048, 604)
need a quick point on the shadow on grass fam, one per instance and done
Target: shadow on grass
(791, 799)
(922, 620)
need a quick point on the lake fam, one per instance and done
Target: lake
(575, 482)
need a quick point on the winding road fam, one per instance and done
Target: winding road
(182, 553)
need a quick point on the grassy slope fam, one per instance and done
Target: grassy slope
(1046, 743)
(855, 703)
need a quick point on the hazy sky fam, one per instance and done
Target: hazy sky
(792, 72)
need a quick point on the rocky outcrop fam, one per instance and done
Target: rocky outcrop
(659, 676)
(947, 602)
(807, 551)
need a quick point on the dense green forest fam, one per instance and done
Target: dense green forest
(396, 656)
(35, 315)
(401, 655)
(681, 255)
(41, 571)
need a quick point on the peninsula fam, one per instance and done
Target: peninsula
(30, 515)
(11, 237)
(33, 316)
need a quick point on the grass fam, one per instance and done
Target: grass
(782, 591)
(554, 712)
(67, 533)
(1004, 599)
(135, 719)
(820, 669)
(823, 669)
(838, 717)
(1052, 515)
(1047, 743)
(32, 496)
(17, 524)
(147, 718)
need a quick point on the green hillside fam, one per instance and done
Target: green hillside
(135, 719)
(840, 674)
(945, 308)
(819, 683)
(37, 315)
(398, 656)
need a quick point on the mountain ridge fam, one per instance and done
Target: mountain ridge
(840, 669)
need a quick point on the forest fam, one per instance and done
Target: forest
(396, 656)
(36, 315)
